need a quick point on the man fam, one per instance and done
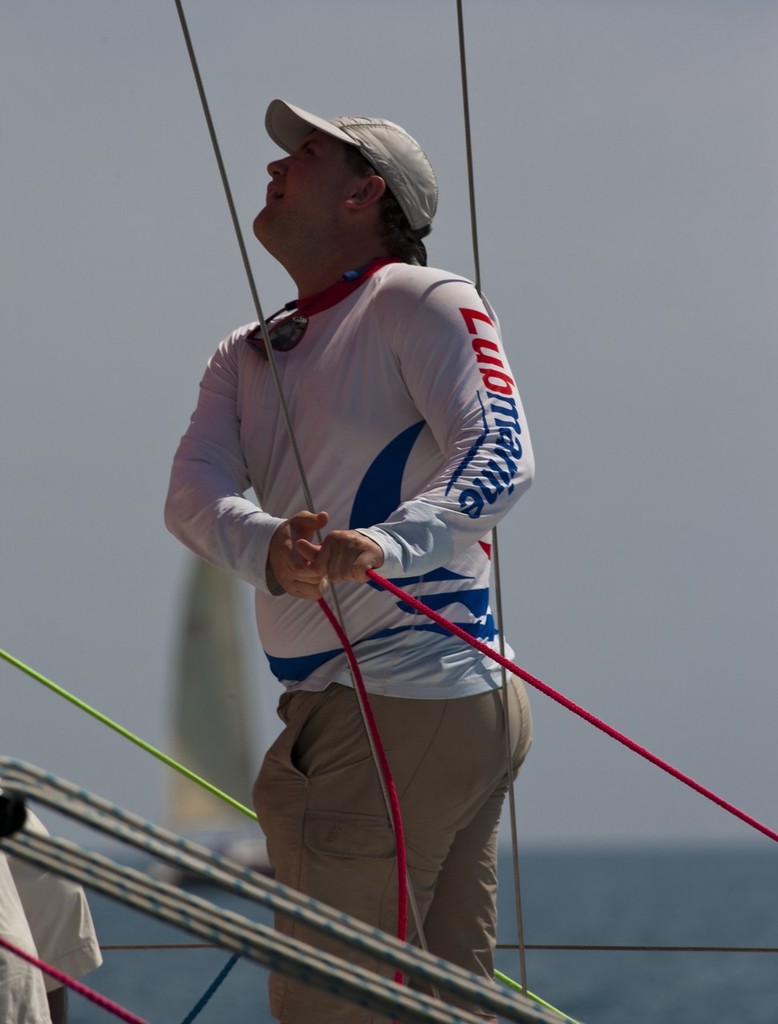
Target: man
(412, 438)
(48, 917)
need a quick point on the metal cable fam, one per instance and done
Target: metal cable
(517, 902)
(468, 144)
(332, 595)
(495, 545)
(243, 252)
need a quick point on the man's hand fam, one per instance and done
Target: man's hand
(344, 555)
(292, 569)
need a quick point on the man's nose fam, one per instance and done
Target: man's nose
(276, 167)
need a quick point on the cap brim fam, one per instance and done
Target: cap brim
(288, 126)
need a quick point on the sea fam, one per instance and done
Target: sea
(725, 898)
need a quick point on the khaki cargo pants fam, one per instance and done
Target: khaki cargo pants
(319, 802)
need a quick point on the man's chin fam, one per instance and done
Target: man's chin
(263, 231)
(257, 226)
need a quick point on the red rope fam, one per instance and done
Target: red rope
(571, 706)
(82, 990)
(394, 803)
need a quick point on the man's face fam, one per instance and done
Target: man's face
(306, 193)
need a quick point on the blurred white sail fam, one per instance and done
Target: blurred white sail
(210, 732)
(210, 711)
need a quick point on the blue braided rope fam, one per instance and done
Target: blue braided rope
(209, 992)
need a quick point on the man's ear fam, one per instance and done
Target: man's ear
(366, 193)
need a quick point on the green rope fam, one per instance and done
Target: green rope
(160, 756)
(531, 995)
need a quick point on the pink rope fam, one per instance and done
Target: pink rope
(394, 803)
(82, 990)
(571, 706)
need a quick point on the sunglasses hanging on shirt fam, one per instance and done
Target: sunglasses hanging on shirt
(287, 333)
(284, 335)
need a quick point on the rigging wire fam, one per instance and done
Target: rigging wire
(468, 144)
(243, 252)
(406, 889)
(495, 551)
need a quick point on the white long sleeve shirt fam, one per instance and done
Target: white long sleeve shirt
(410, 428)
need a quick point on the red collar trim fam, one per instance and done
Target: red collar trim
(338, 291)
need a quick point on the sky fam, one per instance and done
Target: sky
(626, 179)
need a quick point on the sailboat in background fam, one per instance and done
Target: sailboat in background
(210, 722)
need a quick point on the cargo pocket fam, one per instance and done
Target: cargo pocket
(340, 834)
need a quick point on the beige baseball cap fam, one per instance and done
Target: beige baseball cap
(397, 157)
